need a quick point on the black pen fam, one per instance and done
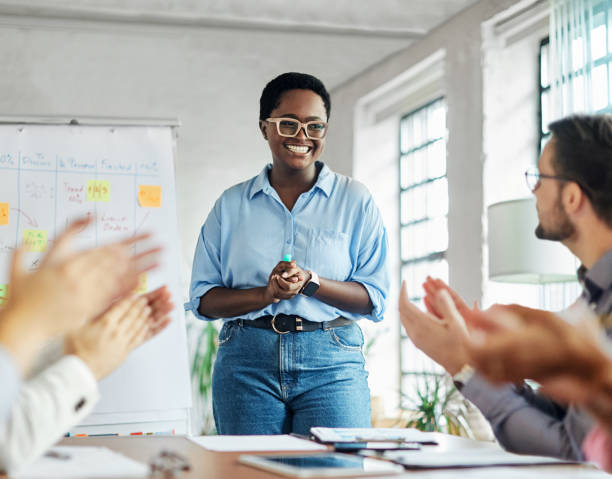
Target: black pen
(396, 440)
(62, 456)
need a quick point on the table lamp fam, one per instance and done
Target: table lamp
(516, 255)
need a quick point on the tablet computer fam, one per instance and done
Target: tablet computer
(322, 465)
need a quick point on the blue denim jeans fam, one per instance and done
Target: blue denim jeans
(268, 383)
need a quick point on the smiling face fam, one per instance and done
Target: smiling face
(299, 152)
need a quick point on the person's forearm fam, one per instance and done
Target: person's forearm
(228, 303)
(519, 426)
(348, 296)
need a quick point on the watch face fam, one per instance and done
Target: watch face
(310, 289)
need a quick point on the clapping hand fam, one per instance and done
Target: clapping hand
(103, 343)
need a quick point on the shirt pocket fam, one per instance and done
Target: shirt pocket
(328, 254)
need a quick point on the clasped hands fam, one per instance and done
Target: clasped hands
(507, 343)
(285, 281)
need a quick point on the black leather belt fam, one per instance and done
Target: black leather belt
(289, 323)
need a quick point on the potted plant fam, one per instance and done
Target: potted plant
(204, 335)
(438, 407)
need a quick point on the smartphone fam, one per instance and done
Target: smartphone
(322, 465)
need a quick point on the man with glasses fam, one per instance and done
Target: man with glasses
(573, 188)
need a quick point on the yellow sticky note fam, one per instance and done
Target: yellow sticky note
(35, 240)
(149, 196)
(98, 190)
(4, 289)
(4, 213)
(142, 284)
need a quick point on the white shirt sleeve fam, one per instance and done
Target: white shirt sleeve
(47, 406)
(10, 380)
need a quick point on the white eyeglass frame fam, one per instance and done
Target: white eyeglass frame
(302, 126)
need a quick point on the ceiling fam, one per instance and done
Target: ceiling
(360, 33)
(400, 18)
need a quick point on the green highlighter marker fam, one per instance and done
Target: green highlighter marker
(287, 257)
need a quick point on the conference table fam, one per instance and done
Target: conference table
(207, 464)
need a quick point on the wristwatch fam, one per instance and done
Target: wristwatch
(310, 288)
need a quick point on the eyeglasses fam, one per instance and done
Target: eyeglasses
(290, 127)
(533, 178)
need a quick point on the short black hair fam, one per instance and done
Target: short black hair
(583, 153)
(272, 93)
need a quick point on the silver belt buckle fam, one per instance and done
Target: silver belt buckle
(274, 326)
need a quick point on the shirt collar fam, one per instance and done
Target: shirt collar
(325, 180)
(261, 182)
(599, 277)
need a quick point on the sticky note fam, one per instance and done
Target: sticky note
(142, 284)
(98, 190)
(35, 240)
(4, 288)
(149, 196)
(4, 213)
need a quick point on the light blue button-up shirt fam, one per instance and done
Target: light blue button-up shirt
(334, 229)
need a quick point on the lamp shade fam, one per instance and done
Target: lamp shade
(516, 255)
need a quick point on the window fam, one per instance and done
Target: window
(423, 222)
(584, 70)
(544, 88)
(550, 296)
(585, 85)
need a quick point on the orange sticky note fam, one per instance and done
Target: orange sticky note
(4, 213)
(98, 190)
(35, 240)
(4, 288)
(149, 196)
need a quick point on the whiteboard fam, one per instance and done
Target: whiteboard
(124, 177)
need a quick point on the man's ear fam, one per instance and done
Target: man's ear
(262, 127)
(573, 197)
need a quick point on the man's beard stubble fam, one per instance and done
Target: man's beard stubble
(562, 229)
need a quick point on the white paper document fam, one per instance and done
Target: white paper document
(354, 434)
(79, 461)
(257, 443)
(479, 457)
(561, 472)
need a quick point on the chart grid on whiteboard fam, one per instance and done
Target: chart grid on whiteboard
(124, 177)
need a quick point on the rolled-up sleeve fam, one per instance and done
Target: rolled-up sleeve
(206, 273)
(371, 265)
